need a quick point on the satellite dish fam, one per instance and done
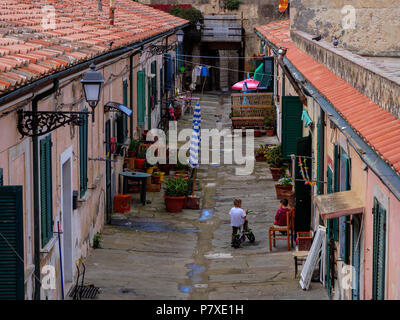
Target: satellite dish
(283, 5)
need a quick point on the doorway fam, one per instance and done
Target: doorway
(66, 236)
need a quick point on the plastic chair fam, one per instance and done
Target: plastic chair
(289, 229)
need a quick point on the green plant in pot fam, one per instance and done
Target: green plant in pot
(274, 158)
(269, 127)
(140, 160)
(156, 176)
(259, 153)
(285, 185)
(133, 148)
(176, 191)
(181, 167)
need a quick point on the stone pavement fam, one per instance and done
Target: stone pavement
(152, 254)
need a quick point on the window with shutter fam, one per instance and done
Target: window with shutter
(83, 155)
(141, 97)
(344, 227)
(292, 109)
(379, 252)
(11, 243)
(46, 194)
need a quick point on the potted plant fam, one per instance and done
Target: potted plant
(176, 190)
(273, 155)
(133, 148)
(284, 186)
(181, 168)
(140, 160)
(259, 153)
(156, 177)
(269, 128)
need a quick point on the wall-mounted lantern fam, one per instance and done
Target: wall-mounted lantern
(180, 34)
(198, 26)
(92, 83)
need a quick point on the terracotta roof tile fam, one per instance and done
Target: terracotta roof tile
(377, 126)
(28, 51)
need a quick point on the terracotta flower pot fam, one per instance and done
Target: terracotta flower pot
(174, 204)
(282, 191)
(270, 132)
(156, 179)
(276, 173)
(139, 163)
(260, 158)
(193, 202)
(131, 154)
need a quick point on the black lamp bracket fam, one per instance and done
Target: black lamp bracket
(39, 123)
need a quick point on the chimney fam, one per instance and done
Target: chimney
(100, 5)
(112, 9)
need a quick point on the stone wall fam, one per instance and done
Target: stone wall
(360, 72)
(376, 28)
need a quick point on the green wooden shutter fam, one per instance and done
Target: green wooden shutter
(11, 238)
(46, 194)
(292, 129)
(83, 154)
(329, 236)
(344, 229)
(149, 105)
(154, 81)
(379, 252)
(141, 97)
(335, 226)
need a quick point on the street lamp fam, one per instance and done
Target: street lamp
(92, 83)
(180, 34)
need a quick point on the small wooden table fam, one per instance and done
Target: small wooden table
(299, 256)
(133, 175)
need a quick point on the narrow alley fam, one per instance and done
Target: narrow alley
(152, 254)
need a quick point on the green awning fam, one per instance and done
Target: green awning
(306, 118)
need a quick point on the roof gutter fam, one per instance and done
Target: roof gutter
(381, 169)
(7, 97)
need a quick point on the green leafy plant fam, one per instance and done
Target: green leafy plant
(176, 187)
(141, 155)
(157, 174)
(97, 241)
(232, 5)
(181, 166)
(260, 151)
(134, 145)
(285, 181)
(192, 14)
(273, 155)
(268, 124)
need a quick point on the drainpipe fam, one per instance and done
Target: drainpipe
(36, 197)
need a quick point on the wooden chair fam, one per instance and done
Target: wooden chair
(289, 229)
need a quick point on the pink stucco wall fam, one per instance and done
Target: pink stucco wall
(393, 239)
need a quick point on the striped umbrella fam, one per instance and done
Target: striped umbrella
(195, 139)
(195, 142)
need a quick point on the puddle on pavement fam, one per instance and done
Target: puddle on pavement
(206, 214)
(184, 289)
(149, 225)
(195, 272)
